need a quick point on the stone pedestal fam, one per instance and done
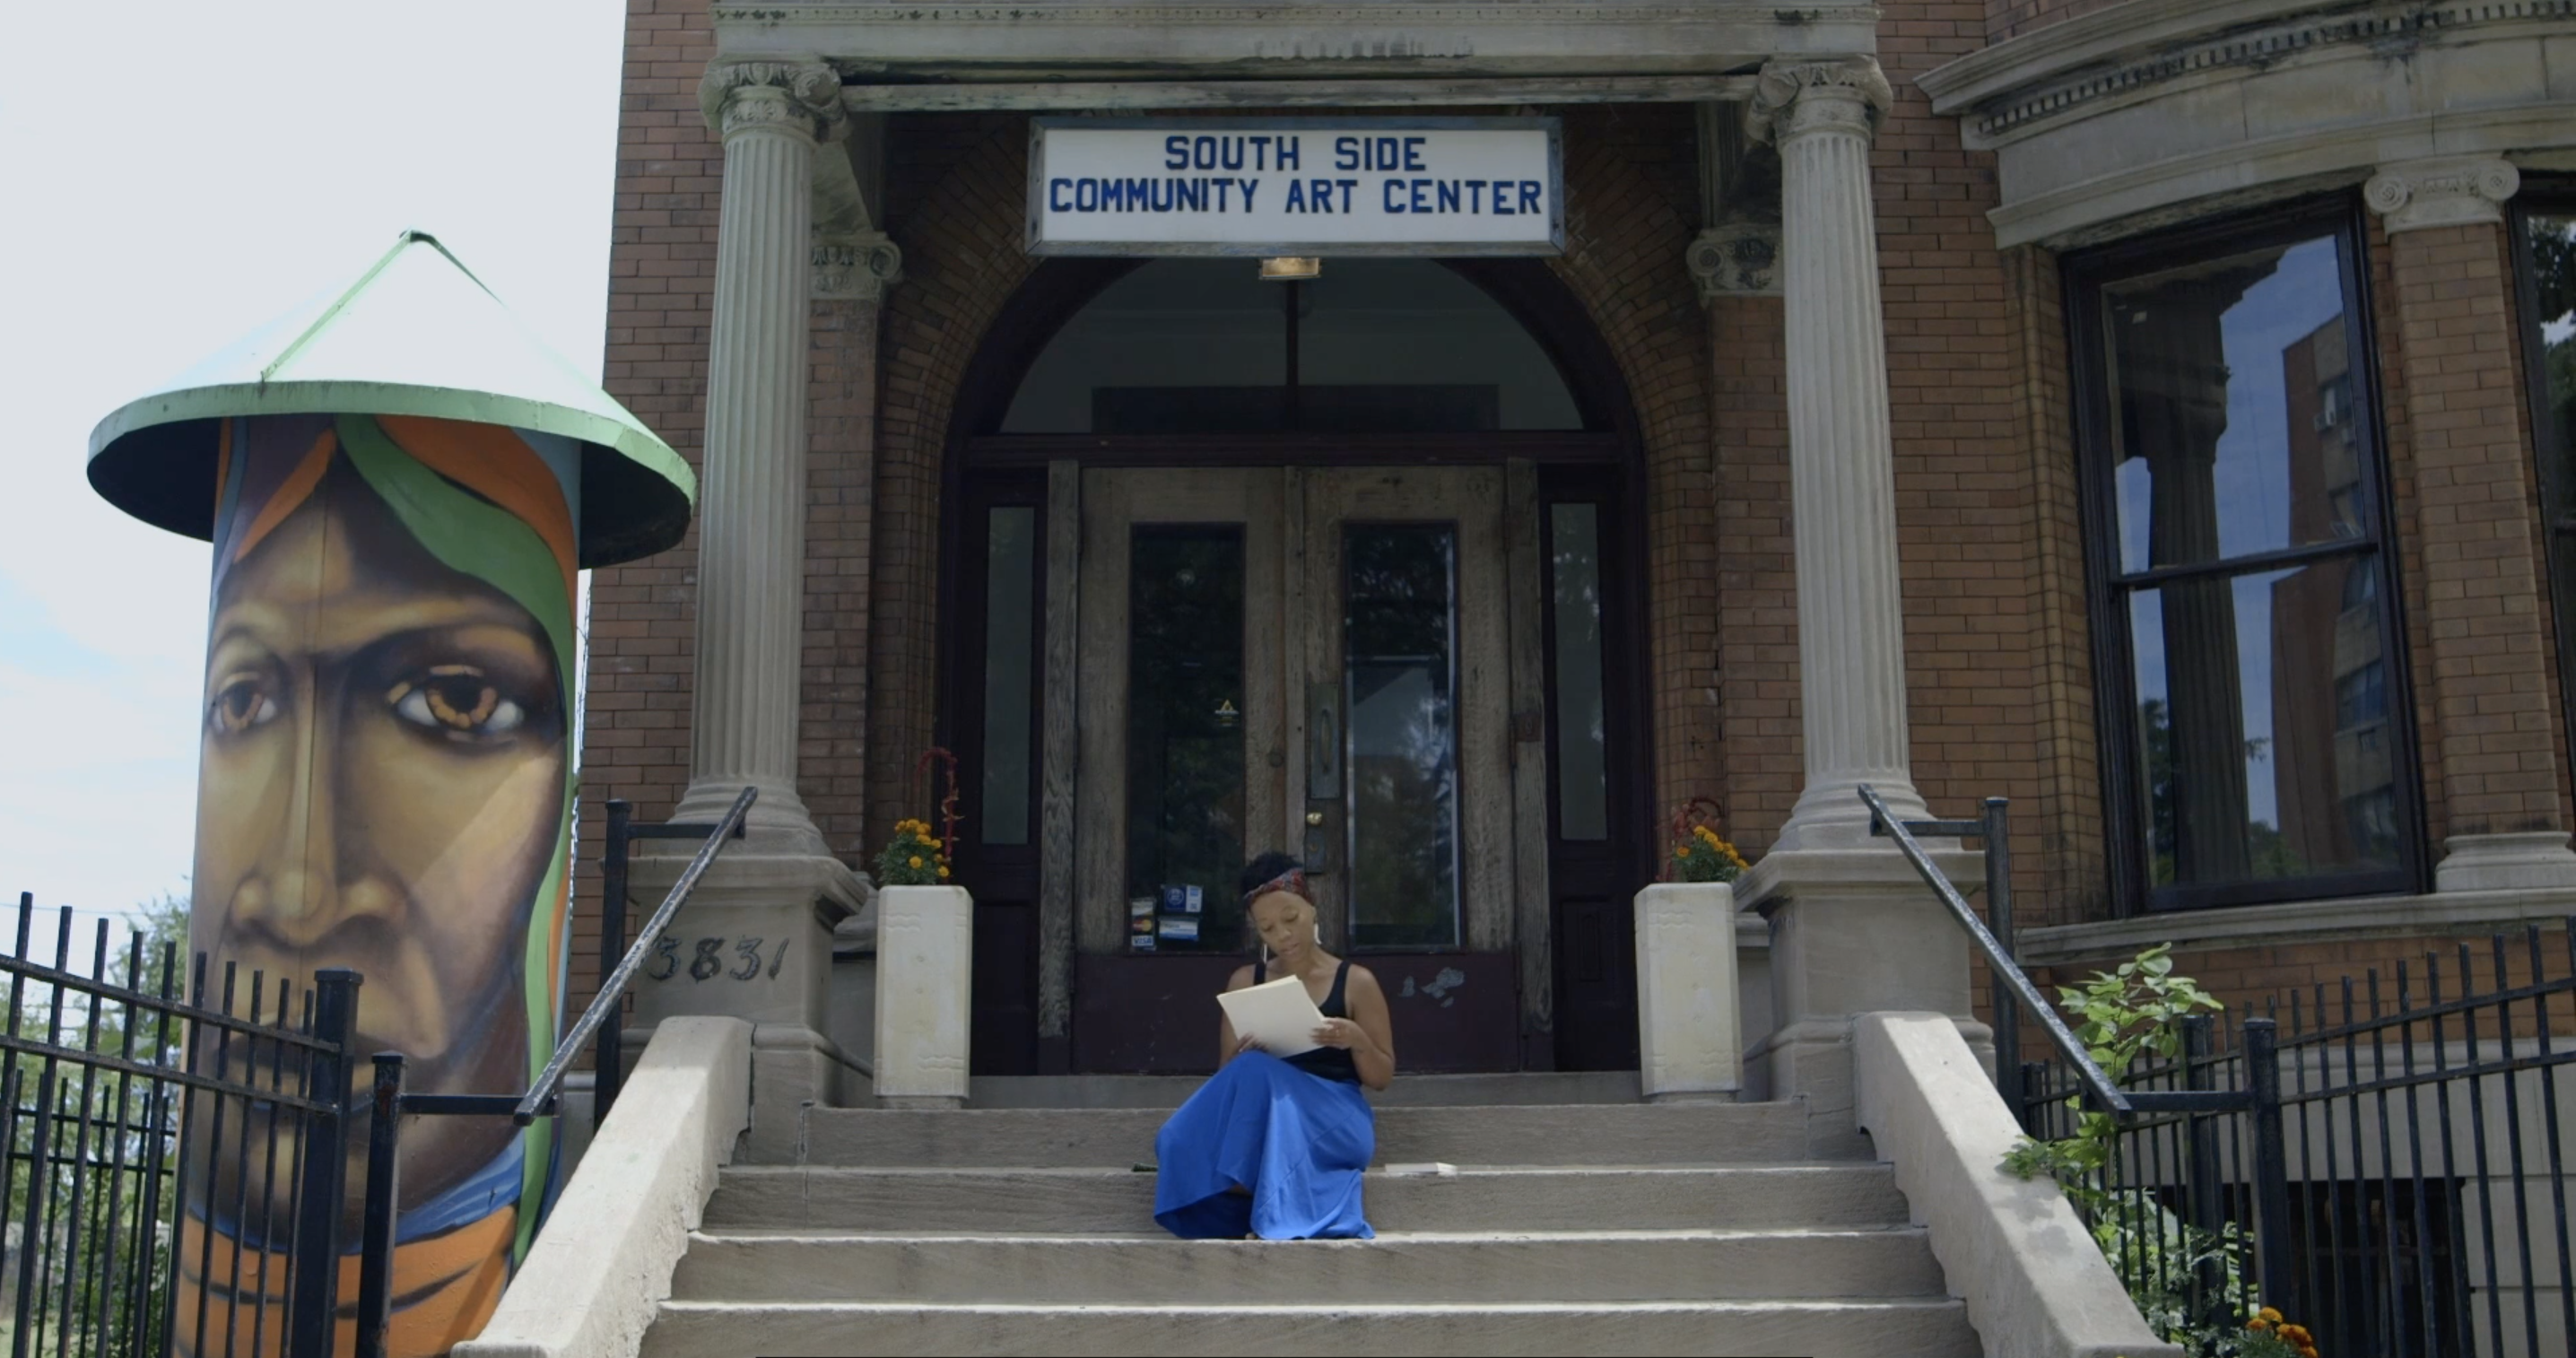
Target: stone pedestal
(754, 942)
(925, 955)
(2537, 860)
(1853, 931)
(1689, 1042)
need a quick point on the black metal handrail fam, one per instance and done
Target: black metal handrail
(390, 1102)
(2013, 989)
(2258, 1096)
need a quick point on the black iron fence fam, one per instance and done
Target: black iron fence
(179, 1150)
(124, 1237)
(2422, 1199)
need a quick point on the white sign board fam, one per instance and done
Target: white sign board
(1296, 186)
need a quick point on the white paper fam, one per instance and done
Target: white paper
(1279, 1014)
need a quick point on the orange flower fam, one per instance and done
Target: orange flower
(2298, 1335)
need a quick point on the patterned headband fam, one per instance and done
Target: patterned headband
(1293, 881)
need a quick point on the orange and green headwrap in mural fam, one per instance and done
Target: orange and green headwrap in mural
(385, 786)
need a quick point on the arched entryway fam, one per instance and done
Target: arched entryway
(1351, 567)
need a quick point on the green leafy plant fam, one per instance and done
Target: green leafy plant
(2136, 1010)
(1700, 853)
(915, 857)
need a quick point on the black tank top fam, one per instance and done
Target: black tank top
(1332, 1063)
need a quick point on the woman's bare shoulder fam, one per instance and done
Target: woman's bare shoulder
(1241, 978)
(1365, 980)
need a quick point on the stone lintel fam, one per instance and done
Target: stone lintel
(1167, 39)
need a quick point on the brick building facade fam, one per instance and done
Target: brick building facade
(2007, 173)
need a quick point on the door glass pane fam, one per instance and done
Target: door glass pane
(1010, 604)
(2234, 424)
(1582, 746)
(2265, 716)
(1399, 654)
(1185, 735)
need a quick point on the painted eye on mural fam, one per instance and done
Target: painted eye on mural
(457, 701)
(241, 702)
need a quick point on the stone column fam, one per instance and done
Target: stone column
(1851, 636)
(755, 939)
(1853, 930)
(751, 525)
(2478, 529)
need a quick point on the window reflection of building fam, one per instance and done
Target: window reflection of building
(2335, 775)
(2244, 572)
(2546, 259)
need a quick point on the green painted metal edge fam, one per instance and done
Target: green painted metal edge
(154, 456)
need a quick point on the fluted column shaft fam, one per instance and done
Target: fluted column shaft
(1851, 636)
(751, 522)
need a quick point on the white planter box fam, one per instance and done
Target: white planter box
(1689, 1023)
(925, 949)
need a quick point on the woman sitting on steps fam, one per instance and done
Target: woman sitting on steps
(1270, 1147)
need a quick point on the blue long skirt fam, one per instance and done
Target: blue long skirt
(1297, 1141)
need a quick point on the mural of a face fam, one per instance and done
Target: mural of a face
(384, 787)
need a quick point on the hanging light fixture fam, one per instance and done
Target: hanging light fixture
(1290, 269)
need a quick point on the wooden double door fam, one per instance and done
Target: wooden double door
(1359, 666)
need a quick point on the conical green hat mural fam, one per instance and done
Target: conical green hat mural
(417, 334)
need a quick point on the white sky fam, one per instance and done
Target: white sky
(175, 174)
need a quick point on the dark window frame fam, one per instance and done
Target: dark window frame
(2554, 480)
(2108, 589)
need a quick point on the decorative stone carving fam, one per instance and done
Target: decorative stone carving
(856, 266)
(1737, 259)
(743, 95)
(1791, 97)
(2447, 191)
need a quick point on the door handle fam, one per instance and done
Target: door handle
(1324, 742)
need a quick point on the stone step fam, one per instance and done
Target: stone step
(1092, 1201)
(1883, 1328)
(1167, 1091)
(1533, 1134)
(1410, 1268)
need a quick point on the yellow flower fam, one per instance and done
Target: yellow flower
(1683, 852)
(916, 860)
(943, 872)
(2270, 1315)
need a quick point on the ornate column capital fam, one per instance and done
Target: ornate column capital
(1791, 97)
(1736, 259)
(855, 266)
(742, 96)
(2409, 195)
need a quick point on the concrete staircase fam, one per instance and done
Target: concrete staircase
(1565, 1228)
